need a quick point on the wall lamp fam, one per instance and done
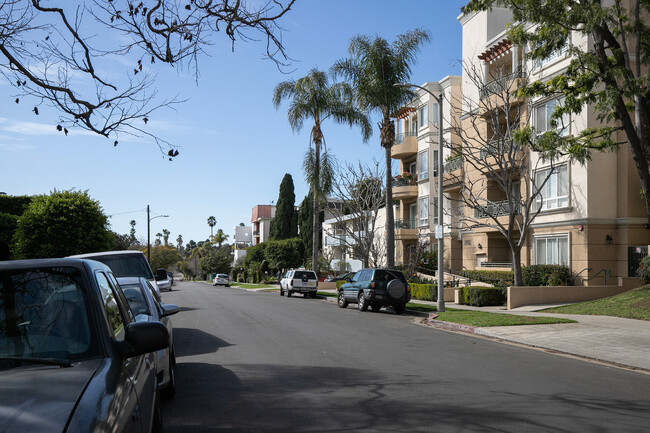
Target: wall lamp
(609, 239)
(480, 247)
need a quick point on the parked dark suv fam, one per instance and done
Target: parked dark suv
(376, 288)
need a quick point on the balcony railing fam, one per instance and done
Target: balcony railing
(410, 223)
(496, 208)
(453, 164)
(404, 181)
(399, 138)
(498, 147)
(500, 84)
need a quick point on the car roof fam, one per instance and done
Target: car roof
(49, 263)
(107, 253)
(129, 280)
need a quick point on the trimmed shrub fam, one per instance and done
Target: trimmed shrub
(483, 296)
(488, 276)
(546, 275)
(339, 283)
(424, 291)
(644, 270)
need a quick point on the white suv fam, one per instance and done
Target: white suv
(299, 281)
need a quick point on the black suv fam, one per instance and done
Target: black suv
(376, 288)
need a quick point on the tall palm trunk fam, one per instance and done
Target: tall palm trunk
(387, 136)
(317, 136)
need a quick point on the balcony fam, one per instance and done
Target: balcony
(501, 84)
(404, 188)
(406, 144)
(406, 229)
(340, 240)
(452, 175)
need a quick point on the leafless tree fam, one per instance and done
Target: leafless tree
(360, 187)
(498, 185)
(56, 56)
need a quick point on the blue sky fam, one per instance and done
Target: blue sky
(235, 146)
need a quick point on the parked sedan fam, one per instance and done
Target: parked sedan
(147, 306)
(72, 357)
(344, 277)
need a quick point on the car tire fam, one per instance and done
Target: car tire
(288, 293)
(362, 305)
(343, 303)
(376, 306)
(281, 292)
(395, 289)
(314, 294)
(399, 308)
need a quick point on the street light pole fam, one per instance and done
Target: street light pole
(149, 232)
(439, 233)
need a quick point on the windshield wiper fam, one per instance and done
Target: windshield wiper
(47, 361)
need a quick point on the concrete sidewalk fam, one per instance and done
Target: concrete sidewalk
(613, 340)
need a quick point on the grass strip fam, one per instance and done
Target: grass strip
(634, 304)
(484, 319)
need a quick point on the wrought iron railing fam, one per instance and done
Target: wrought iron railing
(455, 163)
(500, 84)
(404, 181)
(496, 208)
(498, 147)
(399, 138)
(410, 223)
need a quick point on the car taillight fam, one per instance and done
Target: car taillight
(292, 281)
(408, 288)
(372, 285)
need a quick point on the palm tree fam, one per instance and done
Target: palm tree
(158, 242)
(374, 67)
(220, 237)
(179, 242)
(212, 221)
(166, 234)
(312, 97)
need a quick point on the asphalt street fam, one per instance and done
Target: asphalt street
(256, 362)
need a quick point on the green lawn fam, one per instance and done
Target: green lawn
(254, 286)
(634, 304)
(483, 318)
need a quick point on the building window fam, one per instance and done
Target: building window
(434, 113)
(423, 211)
(423, 115)
(435, 163)
(423, 165)
(414, 127)
(556, 54)
(554, 193)
(435, 211)
(552, 250)
(543, 121)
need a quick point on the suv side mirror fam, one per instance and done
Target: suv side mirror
(144, 337)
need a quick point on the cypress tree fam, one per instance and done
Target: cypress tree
(284, 224)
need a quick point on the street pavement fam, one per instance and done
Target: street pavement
(612, 340)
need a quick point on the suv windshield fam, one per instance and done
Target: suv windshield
(126, 265)
(43, 315)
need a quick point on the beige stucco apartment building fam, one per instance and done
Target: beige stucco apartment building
(592, 217)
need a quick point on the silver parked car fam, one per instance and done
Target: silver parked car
(221, 280)
(147, 306)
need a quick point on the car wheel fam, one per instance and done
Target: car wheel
(363, 304)
(343, 303)
(313, 295)
(375, 306)
(399, 308)
(281, 292)
(288, 293)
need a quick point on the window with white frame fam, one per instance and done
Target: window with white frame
(423, 115)
(423, 211)
(555, 54)
(553, 187)
(423, 165)
(414, 127)
(434, 113)
(543, 114)
(552, 250)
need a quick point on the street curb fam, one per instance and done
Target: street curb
(449, 325)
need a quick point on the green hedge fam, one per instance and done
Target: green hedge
(546, 275)
(482, 296)
(463, 295)
(339, 283)
(423, 291)
(488, 276)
